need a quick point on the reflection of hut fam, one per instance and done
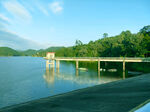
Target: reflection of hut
(50, 55)
(49, 76)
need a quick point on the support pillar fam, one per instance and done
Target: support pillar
(52, 64)
(77, 70)
(123, 69)
(99, 68)
(77, 65)
(98, 65)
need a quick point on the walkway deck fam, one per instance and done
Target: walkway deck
(110, 59)
(119, 96)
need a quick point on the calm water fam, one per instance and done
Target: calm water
(24, 79)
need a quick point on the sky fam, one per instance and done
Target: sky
(36, 24)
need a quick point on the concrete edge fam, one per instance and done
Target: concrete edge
(139, 106)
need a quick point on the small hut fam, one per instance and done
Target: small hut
(50, 55)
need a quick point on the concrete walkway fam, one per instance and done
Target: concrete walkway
(119, 96)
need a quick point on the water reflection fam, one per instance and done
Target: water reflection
(124, 75)
(49, 76)
(98, 73)
(79, 77)
(77, 73)
(57, 71)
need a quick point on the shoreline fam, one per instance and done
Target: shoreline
(118, 96)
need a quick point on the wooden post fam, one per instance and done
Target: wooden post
(123, 69)
(77, 65)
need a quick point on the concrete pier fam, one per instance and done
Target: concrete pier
(50, 60)
(50, 64)
(98, 65)
(77, 65)
(52, 57)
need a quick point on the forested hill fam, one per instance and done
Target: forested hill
(41, 52)
(29, 52)
(126, 44)
(6, 51)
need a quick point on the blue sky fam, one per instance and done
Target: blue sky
(61, 22)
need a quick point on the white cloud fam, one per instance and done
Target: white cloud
(56, 7)
(42, 9)
(11, 39)
(17, 10)
(4, 18)
(28, 5)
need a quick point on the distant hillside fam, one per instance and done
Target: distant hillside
(42, 52)
(6, 51)
(29, 52)
(52, 49)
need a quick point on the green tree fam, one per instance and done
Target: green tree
(78, 43)
(145, 30)
(146, 45)
(105, 35)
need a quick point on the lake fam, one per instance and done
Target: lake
(24, 79)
